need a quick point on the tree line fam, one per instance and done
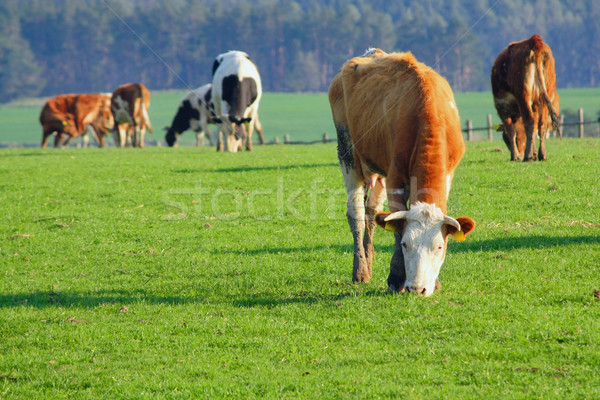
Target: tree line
(49, 47)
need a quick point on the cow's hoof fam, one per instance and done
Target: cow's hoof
(361, 278)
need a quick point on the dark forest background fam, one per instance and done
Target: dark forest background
(49, 47)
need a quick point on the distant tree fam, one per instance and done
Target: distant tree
(20, 74)
(304, 74)
(56, 46)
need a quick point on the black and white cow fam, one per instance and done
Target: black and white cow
(236, 93)
(195, 113)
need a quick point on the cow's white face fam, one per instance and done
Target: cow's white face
(424, 240)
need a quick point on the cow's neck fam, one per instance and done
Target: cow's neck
(429, 176)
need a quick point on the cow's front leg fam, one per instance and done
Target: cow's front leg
(248, 130)
(220, 141)
(356, 220)
(360, 269)
(397, 276)
(374, 205)
(45, 136)
(59, 141)
(398, 195)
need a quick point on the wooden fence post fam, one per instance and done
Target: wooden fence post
(469, 130)
(581, 123)
(490, 133)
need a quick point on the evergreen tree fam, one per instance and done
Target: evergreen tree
(49, 47)
(20, 75)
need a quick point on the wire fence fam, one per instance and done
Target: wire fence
(580, 128)
(575, 128)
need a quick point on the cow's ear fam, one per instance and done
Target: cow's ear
(215, 66)
(466, 226)
(394, 225)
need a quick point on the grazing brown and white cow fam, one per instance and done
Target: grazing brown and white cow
(398, 127)
(73, 115)
(524, 87)
(236, 93)
(129, 104)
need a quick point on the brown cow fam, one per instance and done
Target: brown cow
(397, 122)
(129, 104)
(521, 138)
(72, 114)
(524, 87)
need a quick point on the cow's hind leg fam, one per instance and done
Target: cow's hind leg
(530, 143)
(119, 135)
(259, 130)
(510, 138)
(542, 131)
(529, 121)
(139, 139)
(374, 205)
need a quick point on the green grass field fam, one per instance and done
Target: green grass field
(302, 116)
(185, 273)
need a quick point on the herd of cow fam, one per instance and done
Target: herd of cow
(399, 137)
(230, 101)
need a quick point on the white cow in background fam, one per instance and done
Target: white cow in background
(236, 93)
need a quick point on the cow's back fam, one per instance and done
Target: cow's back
(126, 102)
(513, 69)
(236, 82)
(392, 106)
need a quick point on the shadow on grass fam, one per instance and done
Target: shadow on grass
(524, 242)
(43, 299)
(339, 248)
(474, 246)
(255, 168)
(270, 301)
(40, 153)
(119, 298)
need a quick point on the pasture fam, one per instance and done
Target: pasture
(184, 273)
(303, 116)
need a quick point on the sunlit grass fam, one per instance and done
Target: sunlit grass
(163, 273)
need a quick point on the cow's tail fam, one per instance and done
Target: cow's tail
(540, 58)
(145, 105)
